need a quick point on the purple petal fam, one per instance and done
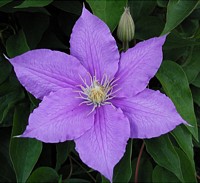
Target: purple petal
(150, 113)
(104, 144)
(59, 117)
(92, 43)
(138, 65)
(43, 71)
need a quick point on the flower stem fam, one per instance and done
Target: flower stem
(125, 45)
(71, 168)
(138, 163)
(134, 42)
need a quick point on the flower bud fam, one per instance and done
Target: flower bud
(126, 27)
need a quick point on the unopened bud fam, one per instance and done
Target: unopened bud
(126, 27)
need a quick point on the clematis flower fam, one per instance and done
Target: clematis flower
(95, 96)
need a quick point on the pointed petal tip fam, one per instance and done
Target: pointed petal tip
(17, 136)
(99, 150)
(151, 114)
(110, 177)
(6, 57)
(59, 118)
(140, 64)
(164, 37)
(42, 71)
(84, 10)
(107, 175)
(186, 123)
(92, 43)
(159, 40)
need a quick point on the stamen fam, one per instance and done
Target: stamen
(105, 103)
(114, 81)
(84, 81)
(81, 98)
(86, 102)
(91, 80)
(109, 98)
(116, 91)
(94, 107)
(80, 92)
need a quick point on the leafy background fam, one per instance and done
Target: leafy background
(31, 24)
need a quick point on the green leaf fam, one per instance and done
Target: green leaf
(34, 25)
(34, 3)
(197, 143)
(103, 9)
(160, 174)
(63, 20)
(123, 170)
(24, 152)
(139, 9)
(175, 40)
(74, 7)
(144, 164)
(196, 82)
(192, 65)
(148, 27)
(104, 180)
(75, 181)
(184, 140)
(7, 173)
(162, 3)
(16, 44)
(175, 84)
(51, 41)
(5, 69)
(196, 94)
(63, 150)
(8, 101)
(43, 174)
(163, 152)
(197, 34)
(176, 53)
(10, 8)
(177, 11)
(11, 84)
(11, 93)
(4, 2)
(189, 27)
(188, 168)
(145, 176)
(196, 13)
(34, 102)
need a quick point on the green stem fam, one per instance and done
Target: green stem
(125, 45)
(71, 168)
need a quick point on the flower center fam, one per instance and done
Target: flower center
(97, 93)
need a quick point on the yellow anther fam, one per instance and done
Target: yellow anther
(97, 94)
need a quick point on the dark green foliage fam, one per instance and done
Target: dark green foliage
(32, 24)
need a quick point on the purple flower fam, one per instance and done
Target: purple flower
(95, 96)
